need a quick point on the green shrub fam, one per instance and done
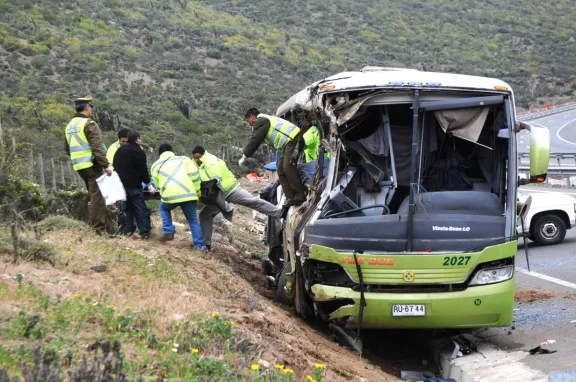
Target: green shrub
(61, 222)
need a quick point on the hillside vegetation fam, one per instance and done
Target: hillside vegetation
(186, 71)
(155, 311)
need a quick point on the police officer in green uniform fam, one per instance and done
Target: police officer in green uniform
(283, 136)
(88, 156)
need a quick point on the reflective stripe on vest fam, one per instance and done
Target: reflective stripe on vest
(171, 179)
(80, 150)
(280, 132)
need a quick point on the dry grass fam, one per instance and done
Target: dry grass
(177, 283)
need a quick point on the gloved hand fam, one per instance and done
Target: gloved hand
(108, 170)
(151, 189)
(242, 160)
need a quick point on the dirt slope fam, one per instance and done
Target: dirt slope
(180, 282)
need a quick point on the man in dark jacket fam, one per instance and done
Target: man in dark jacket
(130, 164)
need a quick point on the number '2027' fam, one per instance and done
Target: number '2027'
(456, 260)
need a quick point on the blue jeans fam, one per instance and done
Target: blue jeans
(189, 209)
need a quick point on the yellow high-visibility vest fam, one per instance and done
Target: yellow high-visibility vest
(213, 167)
(280, 132)
(80, 150)
(312, 144)
(112, 151)
(176, 177)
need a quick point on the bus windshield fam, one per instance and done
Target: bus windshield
(416, 168)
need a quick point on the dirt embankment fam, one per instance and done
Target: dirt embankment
(227, 281)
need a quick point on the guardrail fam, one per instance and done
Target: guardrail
(560, 164)
(541, 114)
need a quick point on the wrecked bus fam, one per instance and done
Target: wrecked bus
(413, 225)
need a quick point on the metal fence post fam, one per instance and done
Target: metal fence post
(31, 165)
(63, 178)
(53, 174)
(41, 164)
(70, 175)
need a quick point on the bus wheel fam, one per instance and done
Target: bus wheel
(302, 301)
(281, 295)
(548, 230)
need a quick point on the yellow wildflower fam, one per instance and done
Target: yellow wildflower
(320, 366)
(288, 371)
(215, 314)
(279, 367)
(231, 323)
(255, 367)
(310, 379)
(195, 351)
(77, 296)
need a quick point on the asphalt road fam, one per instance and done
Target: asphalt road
(546, 304)
(546, 307)
(562, 129)
(546, 297)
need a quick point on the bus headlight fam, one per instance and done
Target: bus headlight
(492, 275)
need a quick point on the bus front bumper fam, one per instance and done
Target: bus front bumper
(474, 307)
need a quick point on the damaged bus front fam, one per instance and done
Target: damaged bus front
(413, 225)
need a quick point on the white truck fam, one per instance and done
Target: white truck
(549, 216)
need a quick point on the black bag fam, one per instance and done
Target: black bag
(210, 191)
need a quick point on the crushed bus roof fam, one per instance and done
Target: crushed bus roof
(376, 77)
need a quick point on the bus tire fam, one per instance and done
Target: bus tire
(549, 230)
(281, 295)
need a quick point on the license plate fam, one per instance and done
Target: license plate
(408, 310)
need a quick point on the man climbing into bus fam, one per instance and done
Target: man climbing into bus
(283, 136)
(311, 146)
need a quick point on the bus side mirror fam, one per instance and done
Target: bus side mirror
(539, 151)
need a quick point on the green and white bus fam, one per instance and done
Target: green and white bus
(413, 225)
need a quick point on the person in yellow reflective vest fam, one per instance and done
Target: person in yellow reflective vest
(311, 140)
(88, 156)
(122, 139)
(311, 143)
(283, 136)
(178, 180)
(212, 167)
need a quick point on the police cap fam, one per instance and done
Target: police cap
(83, 100)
